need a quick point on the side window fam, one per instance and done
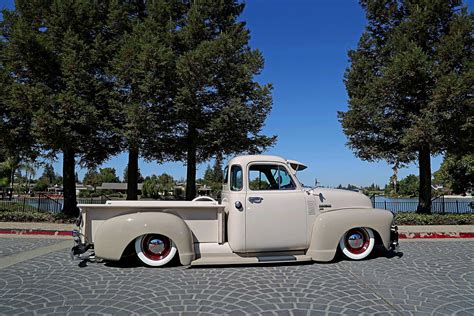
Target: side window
(269, 177)
(226, 175)
(285, 179)
(236, 178)
(258, 178)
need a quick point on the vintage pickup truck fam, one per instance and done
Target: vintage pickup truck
(266, 215)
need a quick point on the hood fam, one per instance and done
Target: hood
(332, 199)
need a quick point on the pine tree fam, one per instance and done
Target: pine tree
(58, 51)
(143, 71)
(219, 107)
(410, 85)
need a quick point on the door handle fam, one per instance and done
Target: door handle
(255, 199)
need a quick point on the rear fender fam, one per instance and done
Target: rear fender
(114, 234)
(329, 227)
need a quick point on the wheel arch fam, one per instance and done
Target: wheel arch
(330, 227)
(115, 234)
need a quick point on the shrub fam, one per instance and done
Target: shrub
(433, 219)
(19, 216)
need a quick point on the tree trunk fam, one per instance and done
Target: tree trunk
(191, 165)
(69, 184)
(12, 181)
(424, 160)
(132, 173)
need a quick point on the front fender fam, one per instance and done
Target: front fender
(328, 229)
(113, 235)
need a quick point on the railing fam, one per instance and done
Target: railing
(43, 202)
(94, 200)
(442, 206)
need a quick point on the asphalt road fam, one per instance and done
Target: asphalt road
(431, 277)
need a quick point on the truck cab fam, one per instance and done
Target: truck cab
(267, 207)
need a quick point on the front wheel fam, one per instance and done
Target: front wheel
(357, 243)
(155, 250)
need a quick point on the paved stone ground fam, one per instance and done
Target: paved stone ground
(13, 245)
(432, 277)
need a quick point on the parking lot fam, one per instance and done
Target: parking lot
(430, 277)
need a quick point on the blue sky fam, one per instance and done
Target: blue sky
(305, 44)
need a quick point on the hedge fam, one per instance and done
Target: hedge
(433, 219)
(33, 216)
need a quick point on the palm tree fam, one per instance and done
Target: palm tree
(11, 164)
(30, 171)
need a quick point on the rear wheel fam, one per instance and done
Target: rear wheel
(155, 250)
(357, 243)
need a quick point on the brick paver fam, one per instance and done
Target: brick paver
(13, 245)
(430, 278)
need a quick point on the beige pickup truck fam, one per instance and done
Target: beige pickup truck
(265, 215)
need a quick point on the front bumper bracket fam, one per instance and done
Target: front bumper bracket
(394, 238)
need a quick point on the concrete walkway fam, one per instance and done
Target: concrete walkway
(406, 232)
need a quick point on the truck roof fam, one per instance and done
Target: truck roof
(246, 159)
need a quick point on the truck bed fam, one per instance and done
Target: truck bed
(204, 218)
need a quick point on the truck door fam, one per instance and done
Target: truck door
(275, 209)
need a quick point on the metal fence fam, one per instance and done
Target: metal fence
(42, 202)
(442, 206)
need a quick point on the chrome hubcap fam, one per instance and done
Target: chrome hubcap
(355, 240)
(156, 246)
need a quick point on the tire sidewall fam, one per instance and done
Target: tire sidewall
(360, 256)
(150, 262)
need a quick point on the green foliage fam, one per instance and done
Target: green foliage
(9, 215)
(348, 187)
(41, 185)
(456, 173)
(165, 183)
(409, 84)
(433, 219)
(142, 72)
(220, 109)
(150, 188)
(213, 178)
(108, 175)
(94, 178)
(409, 185)
(372, 189)
(48, 174)
(20, 216)
(86, 79)
(54, 56)
(157, 187)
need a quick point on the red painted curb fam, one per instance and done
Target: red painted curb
(434, 235)
(43, 232)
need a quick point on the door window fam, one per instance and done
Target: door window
(236, 178)
(270, 177)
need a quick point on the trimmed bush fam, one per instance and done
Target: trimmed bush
(19, 216)
(433, 219)
(33, 216)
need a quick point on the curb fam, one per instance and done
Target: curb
(401, 235)
(435, 235)
(42, 232)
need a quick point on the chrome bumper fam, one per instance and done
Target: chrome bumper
(394, 238)
(79, 248)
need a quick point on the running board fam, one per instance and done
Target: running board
(229, 259)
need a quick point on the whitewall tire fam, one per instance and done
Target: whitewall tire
(357, 243)
(155, 250)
